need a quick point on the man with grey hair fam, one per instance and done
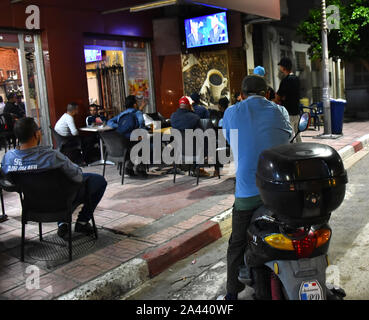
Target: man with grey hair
(260, 124)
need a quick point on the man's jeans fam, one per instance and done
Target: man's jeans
(236, 248)
(294, 120)
(96, 185)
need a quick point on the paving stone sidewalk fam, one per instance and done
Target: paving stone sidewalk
(134, 220)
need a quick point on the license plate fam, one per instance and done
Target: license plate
(311, 290)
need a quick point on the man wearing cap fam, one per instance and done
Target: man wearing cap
(259, 124)
(199, 109)
(184, 118)
(288, 94)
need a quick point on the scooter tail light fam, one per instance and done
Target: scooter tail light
(305, 247)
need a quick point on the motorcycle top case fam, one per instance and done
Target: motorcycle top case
(301, 183)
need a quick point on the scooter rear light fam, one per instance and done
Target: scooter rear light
(279, 241)
(305, 247)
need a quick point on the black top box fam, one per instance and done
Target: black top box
(301, 183)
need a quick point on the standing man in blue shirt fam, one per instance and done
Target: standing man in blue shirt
(261, 125)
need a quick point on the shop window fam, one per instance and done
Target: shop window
(300, 60)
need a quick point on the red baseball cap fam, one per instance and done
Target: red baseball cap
(184, 100)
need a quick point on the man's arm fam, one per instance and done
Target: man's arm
(71, 170)
(113, 122)
(72, 126)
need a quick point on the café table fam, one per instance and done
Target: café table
(96, 129)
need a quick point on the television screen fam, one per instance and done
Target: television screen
(206, 30)
(92, 55)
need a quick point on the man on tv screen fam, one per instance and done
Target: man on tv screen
(217, 32)
(195, 38)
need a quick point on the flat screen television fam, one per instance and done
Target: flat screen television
(92, 55)
(206, 30)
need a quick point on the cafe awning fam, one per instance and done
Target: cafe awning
(263, 8)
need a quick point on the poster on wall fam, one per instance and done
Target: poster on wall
(206, 73)
(137, 72)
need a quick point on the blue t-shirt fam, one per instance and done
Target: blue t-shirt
(201, 111)
(261, 125)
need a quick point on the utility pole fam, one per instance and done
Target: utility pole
(325, 70)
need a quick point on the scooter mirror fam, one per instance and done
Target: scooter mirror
(304, 122)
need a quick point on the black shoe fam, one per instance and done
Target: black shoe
(63, 231)
(86, 229)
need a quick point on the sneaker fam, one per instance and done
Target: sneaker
(228, 296)
(86, 229)
(63, 231)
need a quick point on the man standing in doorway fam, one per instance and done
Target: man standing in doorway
(288, 94)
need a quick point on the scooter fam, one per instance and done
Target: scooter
(300, 184)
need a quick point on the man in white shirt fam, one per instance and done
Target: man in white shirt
(65, 125)
(67, 128)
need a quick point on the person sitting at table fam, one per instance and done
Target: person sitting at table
(124, 123)
(95, 118)
(198, 108)
(66, 127)
(40, 157)
(185, 118)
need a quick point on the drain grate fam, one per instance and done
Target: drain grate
(53, 248)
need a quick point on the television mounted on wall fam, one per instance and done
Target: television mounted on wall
(206, 30)
(93, 55)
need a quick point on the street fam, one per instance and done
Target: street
(202, 276)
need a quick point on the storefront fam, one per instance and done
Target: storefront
(116, 69)
(22, 73)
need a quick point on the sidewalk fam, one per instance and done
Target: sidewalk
(144, 227)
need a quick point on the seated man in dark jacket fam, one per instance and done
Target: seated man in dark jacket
(31, 156)
(184, 118)
(198, 108)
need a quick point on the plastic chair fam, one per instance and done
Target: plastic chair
(47, 196)
(116, 147)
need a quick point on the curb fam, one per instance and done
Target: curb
(130, 275)
(354, 147)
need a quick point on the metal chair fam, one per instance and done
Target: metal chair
(204, 125)
(47, 196)
(117, 147)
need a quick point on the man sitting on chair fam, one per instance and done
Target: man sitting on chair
(31, 156)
